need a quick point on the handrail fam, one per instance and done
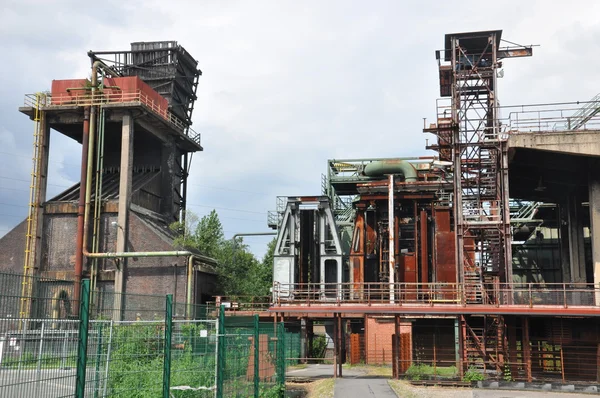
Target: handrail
(137, 97)
(436, 293)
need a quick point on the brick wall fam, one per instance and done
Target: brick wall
(378, 336)
(379, 331)
(12, 249)
(144, 276)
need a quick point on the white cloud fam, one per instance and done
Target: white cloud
(288, 84)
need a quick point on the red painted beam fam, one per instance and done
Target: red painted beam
(547, 310)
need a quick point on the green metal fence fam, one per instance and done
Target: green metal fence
(152, 347)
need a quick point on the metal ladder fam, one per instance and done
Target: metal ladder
(32, 217)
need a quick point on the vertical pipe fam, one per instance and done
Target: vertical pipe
(392, 237)
(397, 361)
(335, 347)
(80, 210)
(98, 198)
(341, 348)
(88, 178)
(424, 248)
(435, 331)
(527, 349)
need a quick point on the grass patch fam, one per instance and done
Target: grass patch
(321, 389)
(419, 372)
(402, 388)
(371, 370)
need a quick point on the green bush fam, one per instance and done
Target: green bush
(419, 371)
(473, 374)
(319, 346)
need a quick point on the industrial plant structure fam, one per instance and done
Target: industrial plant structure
(133, 121)
(485, 257)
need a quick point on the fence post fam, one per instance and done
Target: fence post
(39, 361)
(84, 319)
(98, 354)
(167, 358)
(110, 333)
(256, 359)
(220, 351)
(281, 358)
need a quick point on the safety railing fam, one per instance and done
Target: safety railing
(133, 97)
(432, 294)
(534, 117)
(241, 303)
(548, 117)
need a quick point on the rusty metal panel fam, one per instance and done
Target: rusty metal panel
(354, 348)
(445, 80)
(408, 268)
(423, 235)
(61, 94)
(445, 246)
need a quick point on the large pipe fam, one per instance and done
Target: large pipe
(81, 209)
(89, 159)
(176, 253)
(391, 166)
(254, 234)
(97, 198)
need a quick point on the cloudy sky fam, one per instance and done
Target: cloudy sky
(286, 85)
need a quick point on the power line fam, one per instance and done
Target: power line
(9, 204)
(12, 215)
(29, 157)
(24, 180)
(230, 189)
(228, 209)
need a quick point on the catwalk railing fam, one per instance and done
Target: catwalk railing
(580, 115)
(436, 294)
(152, 346)
(136, 98)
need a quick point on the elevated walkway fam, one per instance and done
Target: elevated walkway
(438, 299)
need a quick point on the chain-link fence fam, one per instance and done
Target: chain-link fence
(148, 347)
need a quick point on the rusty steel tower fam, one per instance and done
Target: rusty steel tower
(470, 136)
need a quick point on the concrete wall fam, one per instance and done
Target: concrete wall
(580, 142)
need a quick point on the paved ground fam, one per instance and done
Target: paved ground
(363, 387)
(356, 383)
(406, 390)
(47, 383)
(319, 371)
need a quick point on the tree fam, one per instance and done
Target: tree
(205, 236)
(209, 235)
(240, 273)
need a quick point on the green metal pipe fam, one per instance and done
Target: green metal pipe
(391, 166)
(90, 159)
(98, 197)
(176, 253)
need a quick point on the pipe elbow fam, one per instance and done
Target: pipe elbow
(391, 166)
